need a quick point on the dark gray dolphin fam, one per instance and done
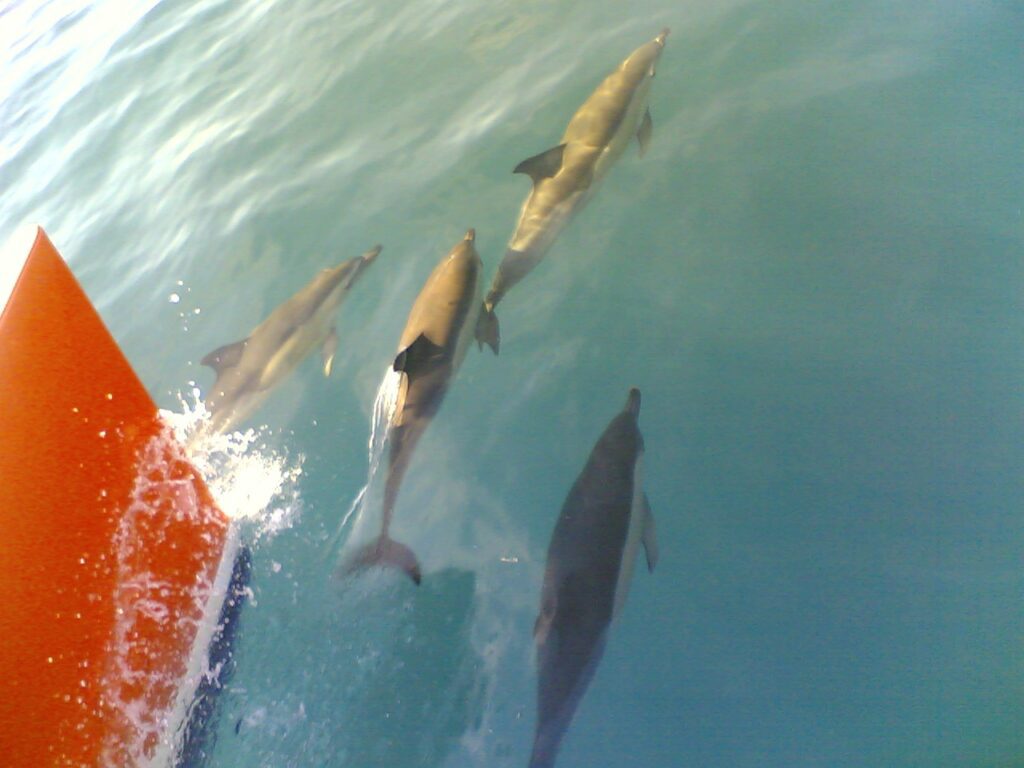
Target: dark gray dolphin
(249, 369)
(433, 345)
(565, 176)
(590, 563)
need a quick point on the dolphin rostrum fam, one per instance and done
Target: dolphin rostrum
(248, 369)
(604, 519)
(437, 334)
(565, 176)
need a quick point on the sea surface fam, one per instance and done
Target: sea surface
(814, 275)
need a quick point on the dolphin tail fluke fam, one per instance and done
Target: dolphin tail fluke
(487, 330)
(386, 552)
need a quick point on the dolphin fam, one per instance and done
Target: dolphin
(437, 334)
(565, 176)
(593, 549)
(249, 369)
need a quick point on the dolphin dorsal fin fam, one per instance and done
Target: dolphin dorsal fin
(643, 136)
(544, 165)
(542, 626)
(416, 354)
(650, 538)
(225, 357)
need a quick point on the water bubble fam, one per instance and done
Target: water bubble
(174, 298)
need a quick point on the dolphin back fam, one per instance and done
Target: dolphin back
(586, 558)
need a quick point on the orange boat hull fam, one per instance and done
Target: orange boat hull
(109, 539)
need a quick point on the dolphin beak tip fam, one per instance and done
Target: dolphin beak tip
(633, 401)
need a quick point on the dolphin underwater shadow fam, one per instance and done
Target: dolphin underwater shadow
(591, 557)
(566, 176)
(248, 370)
(426, 692)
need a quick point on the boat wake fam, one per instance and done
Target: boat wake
(384, 406)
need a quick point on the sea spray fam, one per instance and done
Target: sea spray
(250, 481)
(384, 406)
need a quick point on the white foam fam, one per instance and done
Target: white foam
(250, 481)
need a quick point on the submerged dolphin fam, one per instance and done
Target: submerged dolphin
(590, 563)
(565, 176)
(248, 369)
(437, 334)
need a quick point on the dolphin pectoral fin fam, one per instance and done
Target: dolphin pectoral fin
(542, 166)
(385, 551)
(225, 357)
(487, 330)
(416, 354)
(542, 626)
(650, 538)
(329, 349)
(644, 134)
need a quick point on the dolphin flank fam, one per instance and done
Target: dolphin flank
(433, 344)
(565, 176)
(249, 369)
(604, 520)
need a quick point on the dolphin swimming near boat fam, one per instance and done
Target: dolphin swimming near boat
(593, 549)
(249, 369)
(437, 334)
(565, 176)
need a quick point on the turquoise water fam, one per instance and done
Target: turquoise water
(814, 276)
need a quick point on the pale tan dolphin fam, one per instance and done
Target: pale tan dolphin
(565, 176)
(437, 334)
(593, 549)
(249, 369)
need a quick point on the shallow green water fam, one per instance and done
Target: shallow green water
(814, 276)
